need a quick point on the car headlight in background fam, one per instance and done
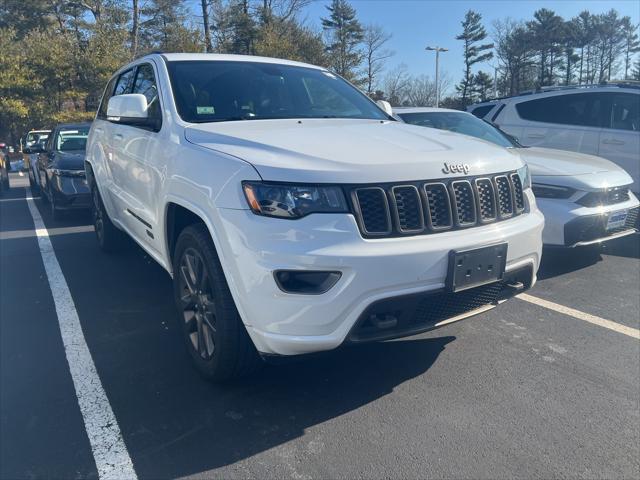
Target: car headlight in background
(525, 176)
(293, 201)
(551, 191)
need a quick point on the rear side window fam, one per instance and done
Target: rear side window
(625, 112)
(581, 109)
(480, 112)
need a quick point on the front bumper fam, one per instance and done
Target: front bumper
(253, 247)
(568, 224)
(71, 192)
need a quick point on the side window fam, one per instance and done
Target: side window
(124, 82)
(581, 109)
(145, 84)
(625, 112)
(102, 111)
(480, 112)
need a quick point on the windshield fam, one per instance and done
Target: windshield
(34, 137)
(217, 91)
(72, 139)
(459, 122)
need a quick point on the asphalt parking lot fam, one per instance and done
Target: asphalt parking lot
(537, 388)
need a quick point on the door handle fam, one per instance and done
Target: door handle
(612, 141)
(535, 135)
(118, 137)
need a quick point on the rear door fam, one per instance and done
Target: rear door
(620, 139)
(570, 121)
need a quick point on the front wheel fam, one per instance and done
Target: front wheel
(55, 211)
(216, 339)
(35, 188)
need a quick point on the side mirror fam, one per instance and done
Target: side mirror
(386, 106)
(129, 109)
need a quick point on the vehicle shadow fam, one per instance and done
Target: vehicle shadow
(623, 247)
(220, 425)
(174, 422)
(559, 261)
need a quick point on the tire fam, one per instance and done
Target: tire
(56, 214)
(213, 332)
(44, 193)
(110, 238)
(35, 188)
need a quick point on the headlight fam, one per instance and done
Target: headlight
(525, 176)
(551, 191)
(293, 201)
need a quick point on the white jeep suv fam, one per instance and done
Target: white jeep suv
(295, 215)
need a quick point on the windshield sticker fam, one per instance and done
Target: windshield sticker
(205, 110)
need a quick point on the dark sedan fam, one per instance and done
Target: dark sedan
(61, 168)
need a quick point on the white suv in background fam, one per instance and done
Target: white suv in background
(294, 214)
(585, 199)
(601, 120)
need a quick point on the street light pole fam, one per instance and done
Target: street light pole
(437, 50)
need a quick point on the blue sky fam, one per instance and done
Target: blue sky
(415, 24)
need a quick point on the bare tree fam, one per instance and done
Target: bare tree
(395, 84)
(375, 54)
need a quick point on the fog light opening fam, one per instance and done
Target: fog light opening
(306, 282)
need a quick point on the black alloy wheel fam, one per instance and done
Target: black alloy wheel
(215, 337)
(198, 304)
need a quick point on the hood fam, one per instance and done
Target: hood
(72, 160)
(349, 151)
(571, 169)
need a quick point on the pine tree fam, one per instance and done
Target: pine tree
(482, 85)
(636, 71)
(631, 43)
(472, 33)
(344, 37)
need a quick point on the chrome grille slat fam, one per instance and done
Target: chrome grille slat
(374, 210)
(417, 208)
(505, 197)
(408, 208)
(518, 194)
(438, 206)
(464, 203)
(486, 197)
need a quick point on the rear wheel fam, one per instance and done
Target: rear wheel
(110, 238)
(216, 339)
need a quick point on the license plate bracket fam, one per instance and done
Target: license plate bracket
(476, 266)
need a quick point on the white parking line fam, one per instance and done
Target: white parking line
(601, 322)
(109, 451)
